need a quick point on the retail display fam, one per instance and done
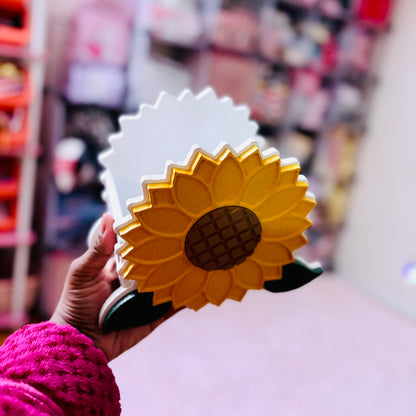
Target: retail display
(225, 220)
(305, 69)
(21, 83)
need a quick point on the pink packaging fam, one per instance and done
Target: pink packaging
(232, 75)
(236, 30)
(100, 34)
(96, 84)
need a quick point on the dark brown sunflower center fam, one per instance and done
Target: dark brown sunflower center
(223, 238)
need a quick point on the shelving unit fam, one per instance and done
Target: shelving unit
(305, 68)
(22, 47)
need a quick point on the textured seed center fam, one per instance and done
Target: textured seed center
(223, 238)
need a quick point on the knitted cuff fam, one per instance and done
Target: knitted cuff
(63, 364)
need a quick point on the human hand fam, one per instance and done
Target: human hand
(90, 281)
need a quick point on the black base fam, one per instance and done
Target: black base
(134, 309)
(294, 275)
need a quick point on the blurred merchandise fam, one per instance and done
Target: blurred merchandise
(96, 84)
(176, 22)
(270, 97)
(9, 187)
(75, 173)
(100, 34)
(71, 166)
(7, 215)
(161, 73)
(97, 53)
(335, 9)
(356, 48)
(11, 79)
(315, 30)
(335, 167)
(337, 204)
(306, 3)
(374, 11)
(236, 30)
(13, 127)
(308, 101)
(8, 174)
(348, 102)
(301, 145)
(300, 52)
(92, 123)
(329, 56)
(232, 75)
(275, 33)
(314, 114)
(76, 185)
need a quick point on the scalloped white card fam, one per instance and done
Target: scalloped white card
(164, 133)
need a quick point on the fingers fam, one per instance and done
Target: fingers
(110, 274)
(90, 264)
(111, 267)
(106, 238)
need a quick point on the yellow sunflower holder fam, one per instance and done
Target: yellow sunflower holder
(211, 228)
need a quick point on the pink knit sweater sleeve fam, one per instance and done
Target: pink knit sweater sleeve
(50, 369)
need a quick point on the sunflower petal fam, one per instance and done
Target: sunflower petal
(205, 169)
(154, 250)
(165, 221)
(189, 286)
(237, 293)
(261, 184)
(284, 227)
(272, 272)
(271, 252)
(305, 206)
(166, 274)
(198, 302)
(161, 196)
(218, 286)
(228, 180)
(293, 243)
(162, 295)
(191, 194)
(252, 161)
(288, 175)
(137, 271)
(282, 201)
(249, 275)
(134, 234)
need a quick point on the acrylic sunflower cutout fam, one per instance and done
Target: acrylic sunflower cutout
(216, 228)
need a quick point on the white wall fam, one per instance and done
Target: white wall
(379, 237)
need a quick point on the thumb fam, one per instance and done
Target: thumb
(90, 264)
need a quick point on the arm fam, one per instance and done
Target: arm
(60, 367)
(50, 369)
